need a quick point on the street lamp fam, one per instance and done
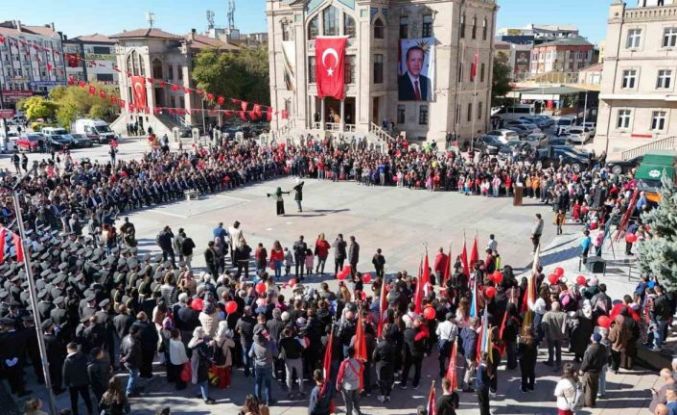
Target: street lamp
(31, 289)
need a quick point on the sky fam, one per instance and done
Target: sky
(84, 17)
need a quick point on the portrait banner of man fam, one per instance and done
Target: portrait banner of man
(416, 72)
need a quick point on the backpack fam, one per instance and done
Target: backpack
(218, 357)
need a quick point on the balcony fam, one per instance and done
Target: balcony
(648, 14)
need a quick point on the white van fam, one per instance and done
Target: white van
(516, 111)
(95, 130)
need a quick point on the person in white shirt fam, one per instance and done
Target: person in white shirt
(565, 390)
(235, 233)
(447, 334)
(492, 244)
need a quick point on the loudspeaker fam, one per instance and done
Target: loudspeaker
(595, 264)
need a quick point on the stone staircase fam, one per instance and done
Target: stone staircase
(667, 143)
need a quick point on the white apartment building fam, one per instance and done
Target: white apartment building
(638, 96)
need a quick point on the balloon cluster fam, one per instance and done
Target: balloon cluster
(343, 274)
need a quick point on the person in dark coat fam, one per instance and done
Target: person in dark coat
(340, 254)
(55, 349)
(75, 377)
(384, 359)
(414, 348)
(99, 373)
(527, 352)
(12, 345)
(582, 331)
(130, 357)
(298, 195)
(353, 256)
(279, 200)
(149, 340)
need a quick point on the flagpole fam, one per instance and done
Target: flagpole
(31, 291)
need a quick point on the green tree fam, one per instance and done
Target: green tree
(500, 81)
(658, 254)
(74, 102)
(242, 75)
(38, 107)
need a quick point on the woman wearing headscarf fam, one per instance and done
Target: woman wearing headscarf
(177, 358)
(279, 200)
(200, 362)
(223, 361)
(582, 330)
(209, 319)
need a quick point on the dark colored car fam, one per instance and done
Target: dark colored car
(488, 144)
(80, 141)
(624, 166)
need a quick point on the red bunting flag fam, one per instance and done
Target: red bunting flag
(102, 94)
(235, 101)
(269, 115)
(92, 90)
(220, 100)
(243, 105)
(228, 113)
(175, 87)
(18, 247)
(253, 115)
(430, 406)
(163, 84)
(451, 369)
(257, 110)
(210, 97)
(360, 340)
(474, 254)
(243, 115)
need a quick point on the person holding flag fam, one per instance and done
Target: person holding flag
(321, 397)
(441, 266)
(447, 404)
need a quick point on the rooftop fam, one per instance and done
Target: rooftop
(11, 27)
(94, 38)
(145, 33)
(567, 41)
(201, 42)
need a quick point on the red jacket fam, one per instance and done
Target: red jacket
(322, 248)
(441, 262)
(276, 255)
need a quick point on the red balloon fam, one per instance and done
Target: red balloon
(429, 313)
(497, 277)
(580, 280)
(559, 271)
(231, 307)
(341, 276)
(631, 238)
(553, 278)
(261, 288)
(490, 292)
(604, 321)
(366, 278)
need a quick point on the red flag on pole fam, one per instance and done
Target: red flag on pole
(326, 364)
(464, 260)
(418, 300)
(329, 66)
(360, 341)
(431, 400)
(451, 369)
(382, 307)
(3, 235)
(426, 270)
(447, 269)
(474, 253)
(18, 247)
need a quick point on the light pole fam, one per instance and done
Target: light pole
(31, 291)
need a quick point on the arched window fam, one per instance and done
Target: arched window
(157, 69)
(484, 29)
(135, 64)
(474, 27)
(348, 25)
(313, 28)
(330, 18)
(379, 29)
(461, 28)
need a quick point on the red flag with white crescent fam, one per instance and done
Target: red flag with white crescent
(329, 63)
(139, 91)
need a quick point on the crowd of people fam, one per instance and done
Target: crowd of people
(107, 309)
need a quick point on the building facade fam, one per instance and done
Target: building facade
(639, 103)
(31, 61)
(380, 33)
(162, 56)
(568, 55)
(516, 56)
(535, 34)
(91, 58)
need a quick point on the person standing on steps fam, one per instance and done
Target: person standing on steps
(279, 200)
(298, 195)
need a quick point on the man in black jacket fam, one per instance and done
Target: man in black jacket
(448, 402)
(594, 359)
(55, 355)
(75, 377)
(291, 352)
(149, 339)
(130, 357)
(164, 241)
(414, 348)
(300, 248)
(99, 373)
(339, 253)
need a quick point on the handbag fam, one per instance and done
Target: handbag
(186, 372)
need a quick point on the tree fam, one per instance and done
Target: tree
(242, 75)
(38, 107)
(500, 81)
(74, 102)
(658, 254)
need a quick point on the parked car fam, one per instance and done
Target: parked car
(557, 154)
(577, 135)
(535, 139)
(520, 130)
(591, 126)
(31, 142)
(80, 141)
(554, 141)
(624, 166)
(96, 130)
(523, 123)
(504, 135)
(488, 143)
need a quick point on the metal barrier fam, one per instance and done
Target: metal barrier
(667, 143)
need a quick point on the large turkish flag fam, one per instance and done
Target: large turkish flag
(329, 63)
(139, 92)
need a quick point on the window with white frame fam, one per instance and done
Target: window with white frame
(423, 115)
(658, 120)
(623, 120)
(670, 37)
(629, 80)
(664, 79)
(633, 39)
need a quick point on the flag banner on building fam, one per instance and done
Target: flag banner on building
(329, 66)
(416, 69)
(473, 66)
(139, 91)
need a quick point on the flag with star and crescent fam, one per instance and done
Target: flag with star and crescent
(329, 66)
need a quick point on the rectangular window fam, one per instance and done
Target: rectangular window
(330, 20)
(482, 68)
(313, 28)
(401, 114)
(484, 29)
(404, 27)
(460, 73)
(179, 72)
(285, 31)
(104, 77)
(670, 37)
(629, 78)
(461, 28)
(658, 120)
(348, 26)
(378, 69)
(427, 28)
(423, 115)
(474, 27)
(664, 80)
(479, 110)
(634, 36)
(101, 50)
(469, 111)
(311, 69)
(379, 29)
(349, 70)
(623, 120)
